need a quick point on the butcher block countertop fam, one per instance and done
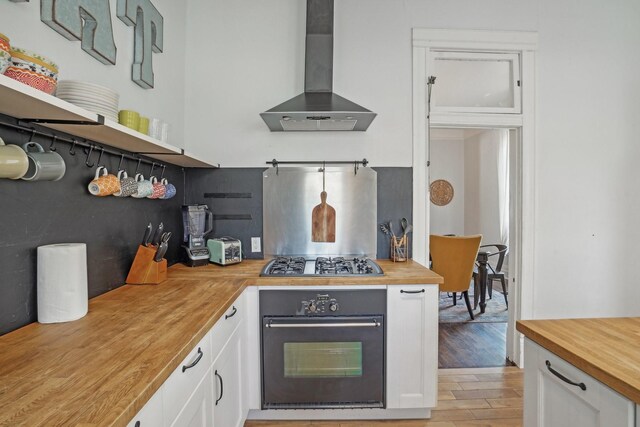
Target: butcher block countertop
(608, 349)
(100, 370)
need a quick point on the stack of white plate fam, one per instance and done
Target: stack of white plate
(90, 96)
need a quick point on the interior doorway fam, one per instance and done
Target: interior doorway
(475, 165)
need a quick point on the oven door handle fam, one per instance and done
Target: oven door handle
(372, 324)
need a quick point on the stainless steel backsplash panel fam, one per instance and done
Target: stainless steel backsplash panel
(290, 195)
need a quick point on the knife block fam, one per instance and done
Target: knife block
(144, 270)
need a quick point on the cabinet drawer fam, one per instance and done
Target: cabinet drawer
(184, 380)
(224, 327)
(151, 414)
(559, 394)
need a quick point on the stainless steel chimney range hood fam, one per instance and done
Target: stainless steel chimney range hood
(318, 108)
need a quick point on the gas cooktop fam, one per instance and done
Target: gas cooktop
(321, 266)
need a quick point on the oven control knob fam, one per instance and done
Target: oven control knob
(333, 306)
(312, 306)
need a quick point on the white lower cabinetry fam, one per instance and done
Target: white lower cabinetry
(197, 412)
(151, 414)
(228, 408)
(551, 401)
(412, 346)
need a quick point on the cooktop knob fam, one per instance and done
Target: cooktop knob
(333, 306)
(312, 306)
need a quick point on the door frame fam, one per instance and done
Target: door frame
(525, 44)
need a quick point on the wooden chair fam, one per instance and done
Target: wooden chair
(495, 273)
(453, 258)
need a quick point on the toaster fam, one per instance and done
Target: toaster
(225, 250)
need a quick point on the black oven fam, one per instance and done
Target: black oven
(323, 349)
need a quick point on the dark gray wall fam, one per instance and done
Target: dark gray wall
(235, 196)
(40, 213)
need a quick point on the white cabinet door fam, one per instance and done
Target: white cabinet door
(151, 413)
(412, 346)
(183, 381)
(228, 408)
(198, 412)
(552, 401)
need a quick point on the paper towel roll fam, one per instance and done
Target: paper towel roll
(62, 282)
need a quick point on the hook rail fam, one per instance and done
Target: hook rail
(88, 146)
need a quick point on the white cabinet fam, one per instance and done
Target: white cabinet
(197, 412)
(412, 346)
(151, 413)
(558, 394)
(228, 408)
(184, 380)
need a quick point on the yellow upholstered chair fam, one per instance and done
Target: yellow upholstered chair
(453, 258)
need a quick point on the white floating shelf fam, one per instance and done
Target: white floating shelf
(24, 102)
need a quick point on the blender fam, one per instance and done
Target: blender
(198, 222)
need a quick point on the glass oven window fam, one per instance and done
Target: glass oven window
(322, 359)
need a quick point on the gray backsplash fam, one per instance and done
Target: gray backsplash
(235, 198)
(41, 213)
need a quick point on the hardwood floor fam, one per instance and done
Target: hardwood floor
(472, 345)
(466, 397)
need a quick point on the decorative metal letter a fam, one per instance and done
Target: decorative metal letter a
(149, 28)
(86, 20)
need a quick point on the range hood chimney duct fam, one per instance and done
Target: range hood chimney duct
(318, 108)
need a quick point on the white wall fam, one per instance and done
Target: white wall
(482, 206)
(447, 162)
(254, 60)
(588, 190)
(21, 23)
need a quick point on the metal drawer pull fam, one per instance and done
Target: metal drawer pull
(372, 324)
(233, 313)
(195, 362)
(402, 291)
(221, 387)
(137, 424)
(563, 378)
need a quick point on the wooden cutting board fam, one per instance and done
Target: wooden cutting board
(323, 221)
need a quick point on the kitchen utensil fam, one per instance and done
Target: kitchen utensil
(14, 162)
(323, 218)
(147, 235)
(408, 230)
(159, 189)
(162, 250)
(43, 165)
(104, 183)
(128, 185)
(170, 189)
(33, 70)
(145, 187)
(157, 235)
(385, 229)
(165, 237)
(403, 225)
(390, 226)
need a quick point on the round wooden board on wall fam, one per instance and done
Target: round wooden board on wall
(441, 192)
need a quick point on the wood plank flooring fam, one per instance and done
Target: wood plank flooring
(466, 398)
(472, 345)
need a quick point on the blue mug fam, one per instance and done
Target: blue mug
(171, 189)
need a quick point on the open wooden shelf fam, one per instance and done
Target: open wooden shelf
(24, 102)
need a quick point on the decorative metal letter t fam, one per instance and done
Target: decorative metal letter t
(149, 28)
